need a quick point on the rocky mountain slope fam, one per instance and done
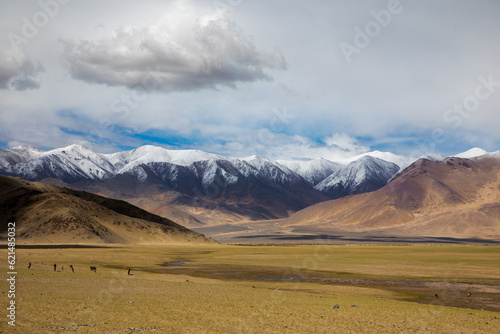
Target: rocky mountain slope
(49, 214)
(361, 176)
(197, 188)
(458, 198)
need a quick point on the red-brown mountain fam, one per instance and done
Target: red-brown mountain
(457, 198)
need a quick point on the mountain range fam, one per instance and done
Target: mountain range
(453, 198)
(197, 188)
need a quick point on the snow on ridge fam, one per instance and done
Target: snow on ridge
(308, 166)
(399, 160)
(78, 160)
(358, 172)
(261, 164)
(188, 157)
(25, 148)
(313, 171)
(25, 152)
(75, 160)
(139, 155)
(472, 153)
(249, 158)
(495, 155)
(126, 160)
(430, 156)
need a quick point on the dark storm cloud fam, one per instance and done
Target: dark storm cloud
(211, 55)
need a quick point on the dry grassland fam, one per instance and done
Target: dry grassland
(257, 289)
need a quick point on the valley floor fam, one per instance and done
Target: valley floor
(257, 289)
(273, 232)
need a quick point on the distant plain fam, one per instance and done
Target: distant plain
(210, 288)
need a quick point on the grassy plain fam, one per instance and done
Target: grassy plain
(257, 289)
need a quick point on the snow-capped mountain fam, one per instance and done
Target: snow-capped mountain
(16, 155)
(68, 164)
(313, 171)
(75, 162)
(402, 161)
(363, 175)
(399, 160)
(430, 156)
(127, 160)
(439, 199)
(251, 186)
(472, 153)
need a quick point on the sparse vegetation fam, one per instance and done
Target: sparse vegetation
(258, 289)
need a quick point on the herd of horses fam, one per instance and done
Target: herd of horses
(92, 268)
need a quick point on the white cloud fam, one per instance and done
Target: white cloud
(302, 148)
(185, 51)
(394, 93)
(277, 146)
(345, 143)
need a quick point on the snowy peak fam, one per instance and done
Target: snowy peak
(188, 157)
(250, 158)
(365, 172)
(472, 153)
(313, 171)
(68, 164)
(126, 160)
(17, 154)
(267, 169)
(363, 175)
(82, 156)
(399, 160)
(25, 150)
(367, 168)
(433, 157)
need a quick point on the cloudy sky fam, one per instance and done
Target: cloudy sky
(284, 79)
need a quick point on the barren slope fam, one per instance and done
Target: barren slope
(45, 213)
(457, 198)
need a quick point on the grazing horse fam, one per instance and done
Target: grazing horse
(29, 265)
(71, 268)
(128, 271)
(55, 266)
(94, 269)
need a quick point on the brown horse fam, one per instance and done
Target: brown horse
(94, 269)
(128, 271)
(71, 268)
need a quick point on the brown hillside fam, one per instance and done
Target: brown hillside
(50, 214)
(456, 198)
